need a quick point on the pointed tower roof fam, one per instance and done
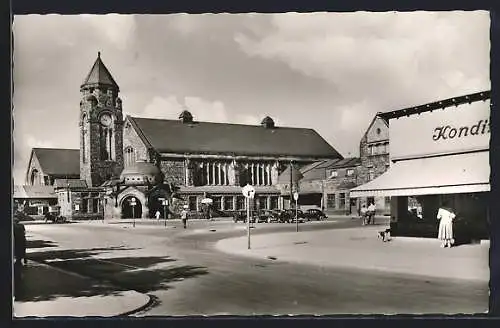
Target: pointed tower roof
(99, 74)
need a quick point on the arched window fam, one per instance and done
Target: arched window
(129, 156)
(106, 138)
(84, 134)
(34, 178)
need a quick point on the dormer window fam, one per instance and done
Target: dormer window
(350, 172)
(267, 122)
(186, 117)
(333, 174)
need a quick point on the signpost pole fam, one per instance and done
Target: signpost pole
(249, 192)
(296, 213)
(165, 211)
(133, 215)
(248, 221)
(132, 203)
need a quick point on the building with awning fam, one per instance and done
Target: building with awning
(33, 200)
(439, 153)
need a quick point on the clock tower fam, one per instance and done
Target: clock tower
(101, 127)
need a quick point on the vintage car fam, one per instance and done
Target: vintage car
(315, 214)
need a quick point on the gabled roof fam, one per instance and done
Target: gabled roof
(378, 116)
(33, 192)
(173, 136)
(99, 74)
(57, 161)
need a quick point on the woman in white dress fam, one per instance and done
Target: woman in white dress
(445, 234)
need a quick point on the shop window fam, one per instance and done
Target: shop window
(330, 201)
(274, 203)
(84, 206)
(95, 205)
(342, 200)
(262, 202)
(192, 203)
(240, 203)
(350, 172)
(217, 202)
(228, 203)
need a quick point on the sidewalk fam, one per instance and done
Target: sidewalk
(360, 248)
(47, 291)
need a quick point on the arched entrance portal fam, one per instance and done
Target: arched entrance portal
(127, 212)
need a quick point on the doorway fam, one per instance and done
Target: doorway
(131, 213)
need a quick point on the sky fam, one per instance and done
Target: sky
(331, 72)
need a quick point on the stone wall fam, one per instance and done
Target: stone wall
(132, 139)
(377, 133)
(94, 170)
(174, 171)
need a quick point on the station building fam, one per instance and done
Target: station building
(121, 158)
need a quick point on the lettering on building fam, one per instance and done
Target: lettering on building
(451, 132)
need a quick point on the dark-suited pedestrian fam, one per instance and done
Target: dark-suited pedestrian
(184, 214)
(19, 257)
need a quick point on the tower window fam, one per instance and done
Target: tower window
(84, 134)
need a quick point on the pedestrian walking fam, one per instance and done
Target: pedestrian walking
(371, 213)
(184, 214)
(445, 233)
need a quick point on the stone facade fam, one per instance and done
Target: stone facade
(374, 155)
(97, 101)
(131, 140)
(81, 204)
(174, 171)
(339, 186)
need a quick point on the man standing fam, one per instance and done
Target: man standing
(184, 215)
(371, 213)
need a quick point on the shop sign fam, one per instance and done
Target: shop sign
(443, 131)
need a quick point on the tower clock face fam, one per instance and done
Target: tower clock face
(106, 119)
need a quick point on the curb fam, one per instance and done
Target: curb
(150, 301)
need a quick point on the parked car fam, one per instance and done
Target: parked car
(292, 213)
(267, 216)
(315, 214)
(282, 216)
(242, 216)
(55, 218)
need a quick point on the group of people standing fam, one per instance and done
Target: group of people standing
(368, 214)
(445, 215)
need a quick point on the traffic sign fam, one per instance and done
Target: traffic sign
(295, 195)
(248, 191)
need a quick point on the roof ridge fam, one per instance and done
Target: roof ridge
(54, 148)
(222, 123)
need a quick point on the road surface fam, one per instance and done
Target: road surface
(187, 276)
